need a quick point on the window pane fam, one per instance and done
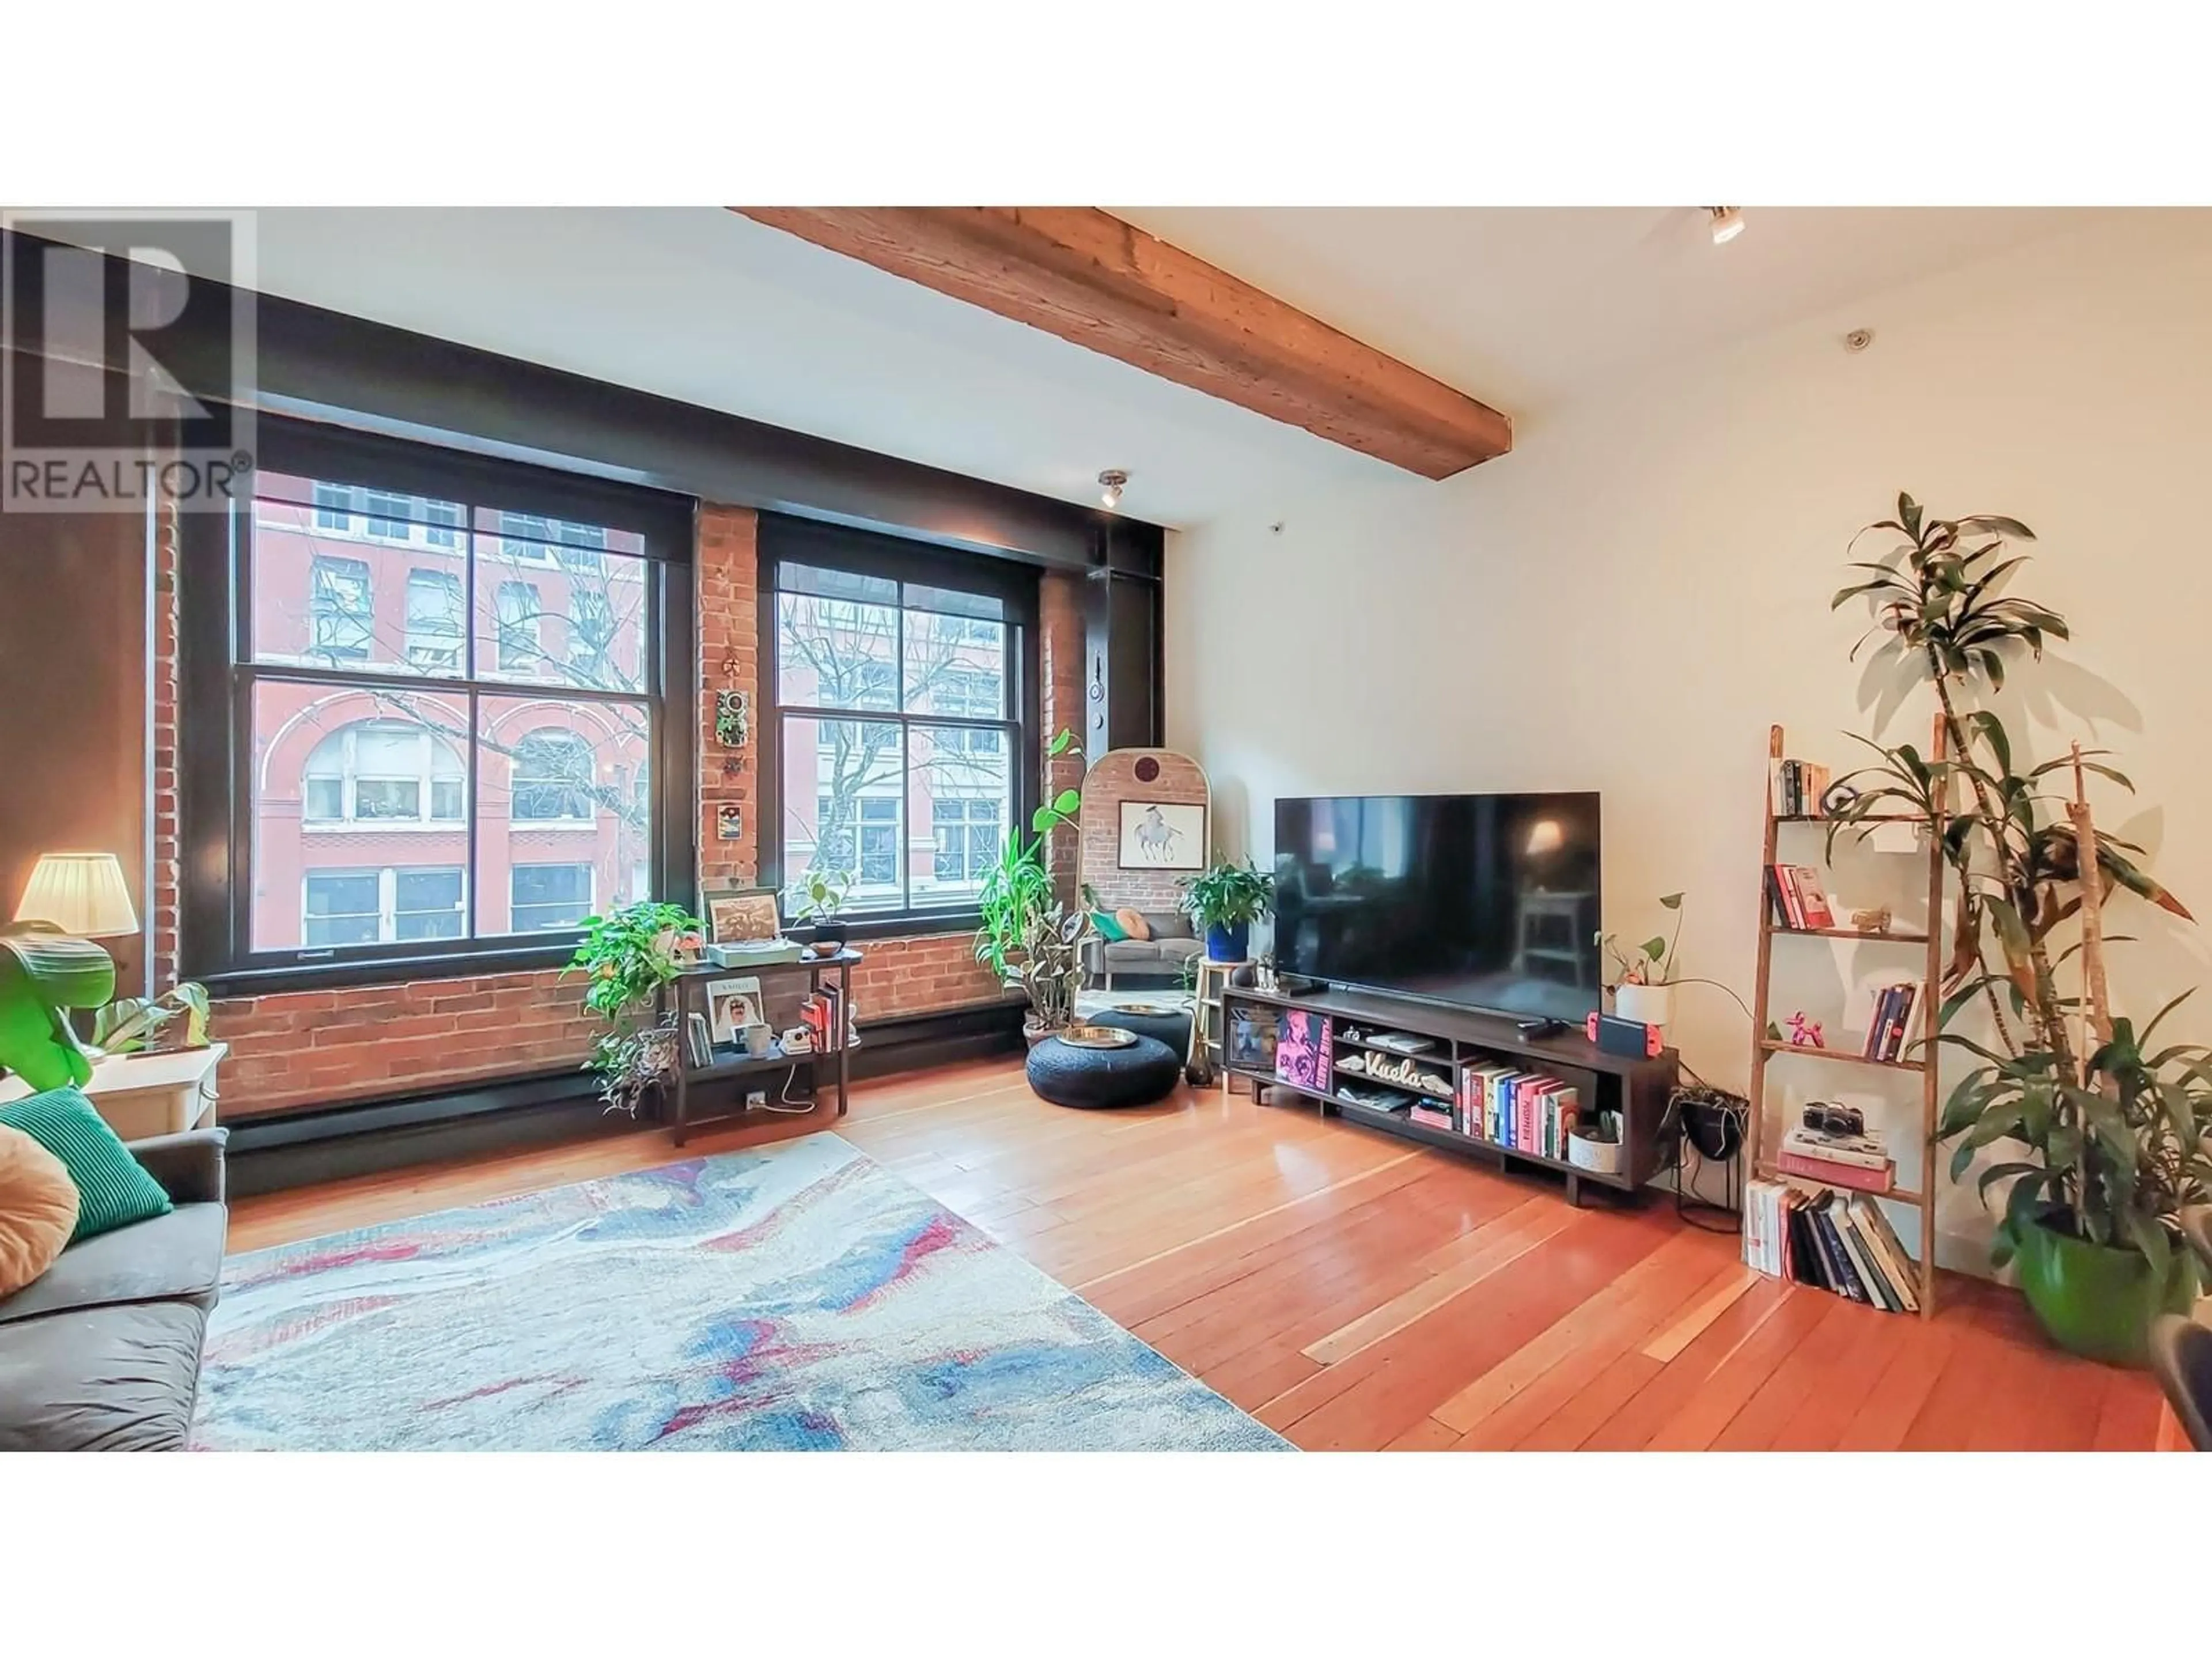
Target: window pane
(343, 781)
(563, 786)
(834, 654)
(341, 906)
(549, 609)
(549, 896)
(965, 795)
(954, 666)
(843, 790)
(427, 904)
(333, 578)
(434, 621)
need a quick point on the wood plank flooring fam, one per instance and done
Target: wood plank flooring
(1357, 1292)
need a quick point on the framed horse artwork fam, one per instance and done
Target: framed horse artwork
(1162, 835)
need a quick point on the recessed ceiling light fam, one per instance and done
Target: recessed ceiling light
(1727, 223)
(1112, 478)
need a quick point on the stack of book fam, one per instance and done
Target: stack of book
(1797, 895)
(1890, 1027)
(1797, 787)
(1860, 1162)
(1527, 1111)
(824, 1015)
(1838, 1241)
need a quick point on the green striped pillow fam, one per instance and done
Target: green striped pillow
(113, 1189)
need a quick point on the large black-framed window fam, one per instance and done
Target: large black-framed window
(436, 710)
(899, 730)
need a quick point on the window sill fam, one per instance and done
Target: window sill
(861, 928)
(278, 980)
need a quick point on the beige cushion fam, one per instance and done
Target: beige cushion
(37, 1210)
(1133, 924)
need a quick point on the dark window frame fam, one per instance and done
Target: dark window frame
(215, 672)
(782, 539)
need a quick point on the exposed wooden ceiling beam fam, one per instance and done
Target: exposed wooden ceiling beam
(1100, 282)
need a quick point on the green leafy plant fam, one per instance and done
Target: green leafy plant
(819, 894)
(130, 1024)
(628, 955)
(1228, 895)
(1051, 966)
(2113, 1134)
(1653, 961)
(1017, 897)
(44, 973)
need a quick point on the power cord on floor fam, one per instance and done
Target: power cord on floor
(783, 1101)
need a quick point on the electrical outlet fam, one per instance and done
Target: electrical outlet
(756, 1099)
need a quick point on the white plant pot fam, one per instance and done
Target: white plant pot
(1647, 1005)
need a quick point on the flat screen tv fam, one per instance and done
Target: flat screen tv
(1488, 902)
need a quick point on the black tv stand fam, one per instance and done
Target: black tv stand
(1636, 1087)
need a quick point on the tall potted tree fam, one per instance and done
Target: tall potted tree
(1023, 934)
(2110, 1132)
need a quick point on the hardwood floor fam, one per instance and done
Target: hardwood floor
(1356, 1292)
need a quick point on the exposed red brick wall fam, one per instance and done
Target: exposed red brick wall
(304, 1050)
(1112, 781)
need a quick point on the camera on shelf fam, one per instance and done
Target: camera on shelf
(1826, 1118)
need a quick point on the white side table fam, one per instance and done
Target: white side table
(143, 1094)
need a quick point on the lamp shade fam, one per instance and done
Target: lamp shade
(80, 893)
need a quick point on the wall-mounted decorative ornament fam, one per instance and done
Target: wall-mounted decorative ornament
(1147, 769)
(732, 719)
(729, 822)
(733, 766)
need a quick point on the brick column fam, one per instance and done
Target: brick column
(727, 600)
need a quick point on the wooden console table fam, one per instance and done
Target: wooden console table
(1636, 1087)
(679, 994)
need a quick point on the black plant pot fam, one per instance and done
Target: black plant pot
(830, 933)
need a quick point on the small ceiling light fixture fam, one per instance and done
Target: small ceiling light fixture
(1112, 479)
(1727, 223)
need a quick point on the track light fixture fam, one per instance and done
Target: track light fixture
(1727, 223)
(1112, 479)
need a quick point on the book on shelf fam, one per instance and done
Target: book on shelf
(1857, 1177)
(1797, 896)
(1794, 788)
(1435, 1116)
(1889, 1025)
(1831, 1241)
(1525, 1111)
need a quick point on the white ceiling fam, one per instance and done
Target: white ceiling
(1524, 308)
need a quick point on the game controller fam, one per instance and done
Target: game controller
(1615, 1036)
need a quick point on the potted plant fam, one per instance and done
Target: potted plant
(1226, 900)
(628, 955)
(817, 897)
(1023, 934)
(130, 1025)
(2109, 1134)
(1646, 989)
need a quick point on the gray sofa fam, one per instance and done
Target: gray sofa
(1173, 943)
(101, 1353)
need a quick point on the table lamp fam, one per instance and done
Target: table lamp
(80, 893)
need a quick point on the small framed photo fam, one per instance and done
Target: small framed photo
(1162, 835)
(734, 917)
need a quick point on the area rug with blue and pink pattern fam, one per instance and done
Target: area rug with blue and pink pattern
(797, 1297)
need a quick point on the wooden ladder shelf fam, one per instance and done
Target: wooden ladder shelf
(1919, 1059)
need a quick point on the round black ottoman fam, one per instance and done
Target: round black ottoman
(1172, 1028)
(1137, 1075)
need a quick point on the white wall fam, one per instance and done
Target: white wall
(1627, 601)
